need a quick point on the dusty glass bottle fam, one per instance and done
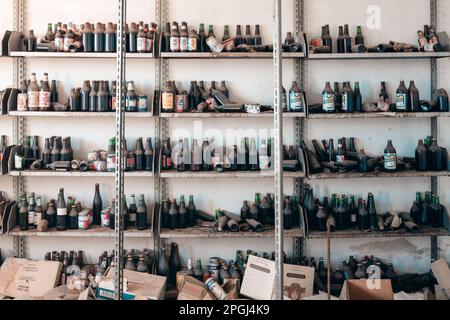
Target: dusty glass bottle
(141, 214)
(61, 212)
(390, 158)
(328, 99)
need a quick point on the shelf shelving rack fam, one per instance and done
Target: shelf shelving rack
(162, 123)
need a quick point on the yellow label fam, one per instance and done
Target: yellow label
(167, 101)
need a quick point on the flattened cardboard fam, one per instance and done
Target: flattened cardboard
(5, 217)
(441, 272)
(143, 286)
(298, 281)
(12, 217)
(4, 165)
(26, 279)
(192, 289)
(364, 290)
(259, 279)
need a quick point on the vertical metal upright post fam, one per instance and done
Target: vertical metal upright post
(434, 121)
(278, 125)
(120, 140)
(19, 123)
(299, 123)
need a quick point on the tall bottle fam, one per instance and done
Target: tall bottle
(93, 101)
(359, 39)
(328, 99)
(192, 212)
(61, 212)
(358, 98)
(174, 264)
(193, 41)
(132, 211)
(257, 41)
(140, 157)
(167, 163)
(437, 215)
(353, 211)
(85, 92)
(248, 35)
(175, 38)
(436, 162)
(427, 210)
(97, 206)
(174, 216)
(337, 97)
(390, 158)
(148, 155)
(326, 38)
(111, 156)
(253, 156)
(348, 98)
(203, 47)
(421, 157)
(31, 211)
(296, 102)
(384, 96)
(340, 40)
(131, 98)
(141, 214)
(33, 94)
(168, 97)
(184, 35)
(196, 157)
(414, 100)
(99, 38)
(44, 94)
(141, 40)
(38, 211)
(402, 103)
(23, 213)
(347, 40)
(183, 214)
(69, 38)
(372, 211)
(110, 38)
(238, 39)
(363, 217)
(287, 215)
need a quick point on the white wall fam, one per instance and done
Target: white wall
(248, 81)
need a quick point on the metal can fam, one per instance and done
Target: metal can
(92, 156)
(105, 216)
(99, 166)
(181, 102)
(214, 268)
(84, 220)
(142, 104)
(216, 289)
(214, 44)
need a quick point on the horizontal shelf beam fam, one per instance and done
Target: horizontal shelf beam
(227, 175)
(375, 56)
(88, 174)
(93, 232)
(377, 115)
(79, 55)
(378, 174)
(209, 233)
(228, 55)
(424, 232)
(197, 115)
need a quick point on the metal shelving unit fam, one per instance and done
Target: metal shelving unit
(162, 125)
(433, 57)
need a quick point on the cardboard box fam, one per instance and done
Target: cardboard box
(298, 281)
(367, 290)
(25, 279)
(192, 289)
(441, 272)
(140, 286)
(259, 279)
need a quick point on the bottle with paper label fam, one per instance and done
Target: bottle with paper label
(31, 211)
(44, 94)
(175, 38)
(328, 99)
(401, 100)
(296, 103)
(390, 157)
(184, 35)
(168, 97)
(22, 96)
(33, 94)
